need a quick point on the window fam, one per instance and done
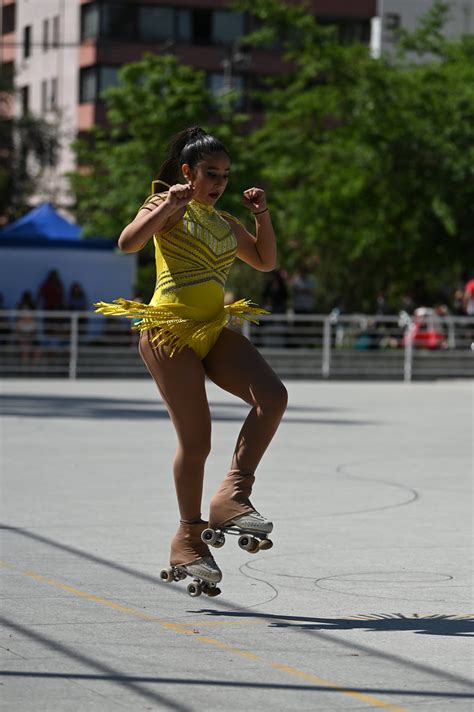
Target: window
(54, 94)
(45, 35)
(88, 85)
(227, 27)
(94, 80)
(354, 31)
(119, 21)
(44, 96)
(220, 84)
(392, 22)
(108, 77)
(155, 23)
(25, 100)
(90, 21)
(184, 25)
(8, 19)
(26, 41)
(201, 26)
(56, 28)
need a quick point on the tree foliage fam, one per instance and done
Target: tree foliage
(369, 163)
(156, 98)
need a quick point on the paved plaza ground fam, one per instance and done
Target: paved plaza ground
(364, 603)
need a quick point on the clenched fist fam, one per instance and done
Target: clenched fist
(179, 195)
(254, 199)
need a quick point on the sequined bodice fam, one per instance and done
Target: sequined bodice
(199, 249)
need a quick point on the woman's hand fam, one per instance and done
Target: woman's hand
(179, 196)
(254, 199)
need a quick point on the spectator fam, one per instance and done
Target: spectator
(408, 304)
(51, 298)
(458, 303)
(304, 288)
(77, 300)
(51, 292)
(5, 328)
(381, 306)
(275, 293)
(26, 330)
(303, 291)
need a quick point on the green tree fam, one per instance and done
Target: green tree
(370, 162)
(156, 97)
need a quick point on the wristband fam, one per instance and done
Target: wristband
(261, 211)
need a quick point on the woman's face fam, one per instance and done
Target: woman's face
(209, 177)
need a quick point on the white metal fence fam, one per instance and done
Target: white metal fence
(86, 345)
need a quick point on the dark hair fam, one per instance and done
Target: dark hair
(189, 146)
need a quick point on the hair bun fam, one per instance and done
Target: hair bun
(195, 132)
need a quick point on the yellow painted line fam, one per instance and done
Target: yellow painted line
(187, 629)
(207, 624)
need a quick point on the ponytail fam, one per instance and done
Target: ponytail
(189, 146)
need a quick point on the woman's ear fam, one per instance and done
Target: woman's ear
(186, 171)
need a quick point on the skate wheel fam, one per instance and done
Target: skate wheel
(248, 543)
(210, 536)
(194, 589)
(220, 542)
(167, 575)
(211, 592)
(265, 544)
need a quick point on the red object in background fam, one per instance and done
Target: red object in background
(426, 330)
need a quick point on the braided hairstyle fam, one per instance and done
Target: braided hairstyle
(189, 146)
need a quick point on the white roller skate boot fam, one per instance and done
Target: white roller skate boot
(252, 529)
(232, 512)
(185, 561)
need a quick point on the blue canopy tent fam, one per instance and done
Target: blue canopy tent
(42, 223)
(43, 240)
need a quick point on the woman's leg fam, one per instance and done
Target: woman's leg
(235, 365)
(180, 380)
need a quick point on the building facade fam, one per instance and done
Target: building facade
(392, 15)
(64, 53)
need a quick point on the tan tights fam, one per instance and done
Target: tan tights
(236, 366)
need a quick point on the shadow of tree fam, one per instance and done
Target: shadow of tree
(438, 624)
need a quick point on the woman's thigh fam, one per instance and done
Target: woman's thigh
(181, 382)
(235, 365)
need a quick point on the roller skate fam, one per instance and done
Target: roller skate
(233, 513)
(251, 528)
(190, 557)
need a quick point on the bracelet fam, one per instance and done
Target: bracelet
(261, 211)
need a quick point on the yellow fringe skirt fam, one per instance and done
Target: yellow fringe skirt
(178, 325)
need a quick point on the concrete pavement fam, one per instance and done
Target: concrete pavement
(364, 603)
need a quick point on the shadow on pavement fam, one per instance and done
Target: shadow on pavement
(132, 680)
(318, 627)
(66, 651)
(425, 625)
(89, 407)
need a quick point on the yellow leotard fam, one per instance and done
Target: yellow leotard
(193, 260)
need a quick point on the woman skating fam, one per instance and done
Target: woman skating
(184, 337)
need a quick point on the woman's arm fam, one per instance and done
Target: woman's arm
(259, 250)
(161, 218)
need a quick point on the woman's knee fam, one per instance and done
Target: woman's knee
(274, 398)
(195, 449)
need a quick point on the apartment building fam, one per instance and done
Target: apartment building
(64, 53)
(392, 15)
